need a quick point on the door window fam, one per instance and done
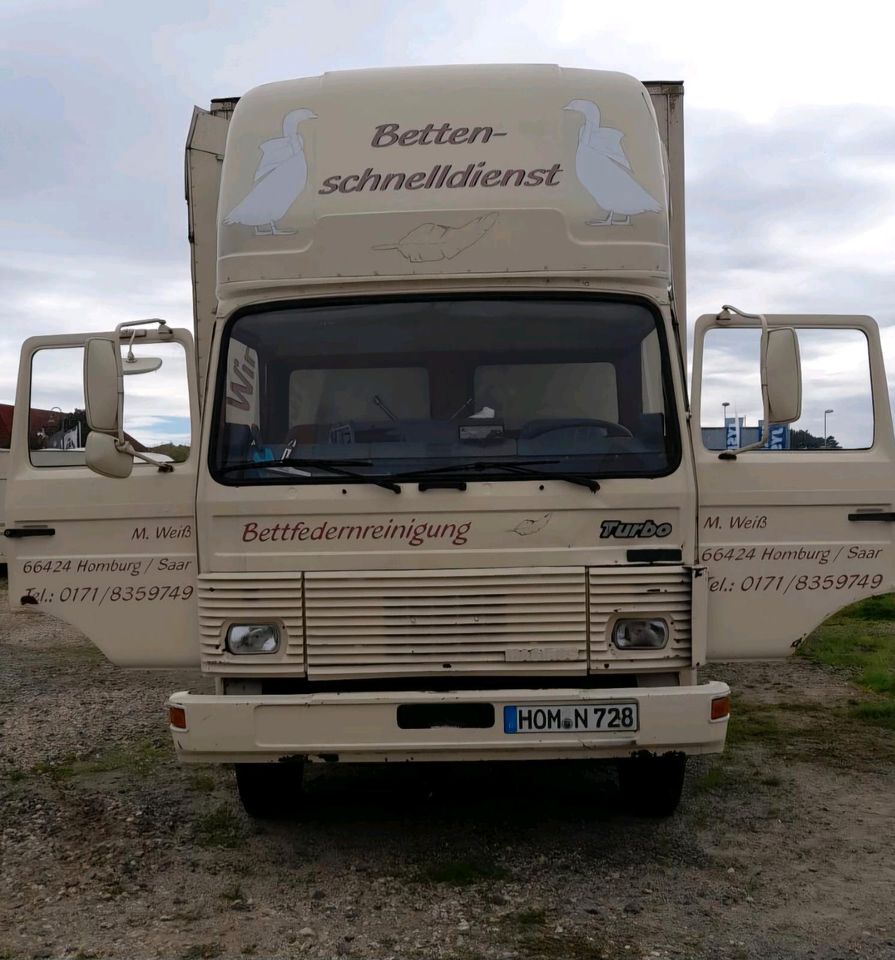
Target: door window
(837, 403)
(156, 406)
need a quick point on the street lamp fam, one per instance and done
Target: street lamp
(825, 426)
(724, 405)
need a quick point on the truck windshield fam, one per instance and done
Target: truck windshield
(411, 388)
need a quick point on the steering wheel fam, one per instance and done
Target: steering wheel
(537, 428)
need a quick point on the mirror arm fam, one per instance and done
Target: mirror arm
(125, 446)
(724, 317)
(163, 327)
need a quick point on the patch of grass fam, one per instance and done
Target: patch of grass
(861, 641)
(750, 721)
(202, 783)
(202, 951)
(864, 649)
(249, 950)
(568, 946)
(873, 608)
(219, 828)
(837, 734)
(879, 678)
(464, 873)
(232, 894)
(63, 770)
(138, 759)
(84, 651)
(13, 775)
(880, 714)
(713, 779)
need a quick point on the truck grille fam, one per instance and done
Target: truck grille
(495, 622)
(639, 592)
(377, 624)
(260, 598)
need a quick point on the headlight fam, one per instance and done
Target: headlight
(640, 634)
(253, 638)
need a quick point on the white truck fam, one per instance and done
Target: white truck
(447, 497)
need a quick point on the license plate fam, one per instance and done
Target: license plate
(571, 718)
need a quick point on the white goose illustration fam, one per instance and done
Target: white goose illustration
(604, 169)
(279, 180)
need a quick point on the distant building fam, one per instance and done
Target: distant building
(736, 434)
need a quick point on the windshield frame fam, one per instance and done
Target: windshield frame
(674, 443)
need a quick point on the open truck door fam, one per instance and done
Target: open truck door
(113, 556)
(802, 523)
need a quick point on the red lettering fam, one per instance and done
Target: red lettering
(552, 173)
(330, 184)
(398, 177)
(486, 131)
(386, 132)
(368, 177)
(464, 176)
(509, 174)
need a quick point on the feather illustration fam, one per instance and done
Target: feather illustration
(527, 527)
(433, 241)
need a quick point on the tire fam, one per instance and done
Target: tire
(651, 785)
(270, 791)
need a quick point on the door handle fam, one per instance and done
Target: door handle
(880, 516)
(29, 532)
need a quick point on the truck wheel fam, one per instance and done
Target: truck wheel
(270, 791)
(651, 786)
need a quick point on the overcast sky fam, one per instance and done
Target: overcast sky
(789, 113)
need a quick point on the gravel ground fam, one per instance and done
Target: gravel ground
(784, 848)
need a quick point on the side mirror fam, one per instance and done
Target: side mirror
(104, 395)
(102, 455)
(781, 381)
(782, 374)
(103, 387)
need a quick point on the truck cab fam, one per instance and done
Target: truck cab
(447, 494)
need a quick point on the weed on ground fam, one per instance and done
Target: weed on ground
(860, 640)
(220, 827)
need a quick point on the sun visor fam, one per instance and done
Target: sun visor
(442, 171)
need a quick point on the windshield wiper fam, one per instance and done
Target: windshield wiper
(332, 466)
(522, 468)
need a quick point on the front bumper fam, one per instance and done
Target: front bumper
(353, 727)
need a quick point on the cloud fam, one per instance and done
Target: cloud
(791, 180)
